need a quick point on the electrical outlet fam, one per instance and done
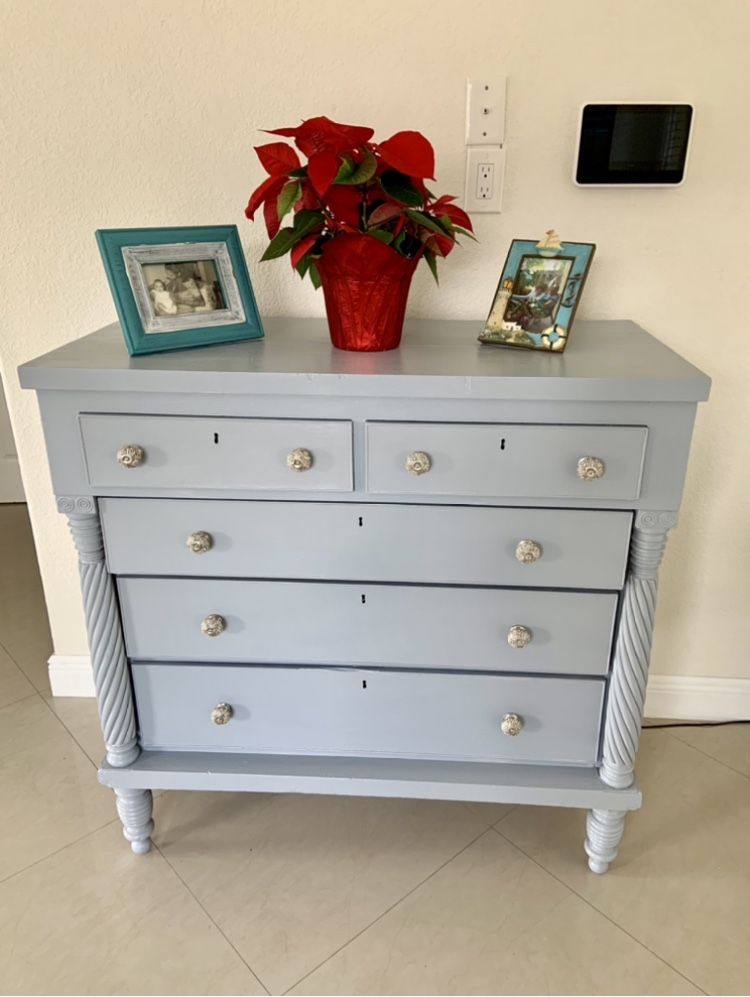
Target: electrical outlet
(485, 168)
(485, 111)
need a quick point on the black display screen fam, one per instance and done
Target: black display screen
(633, 143)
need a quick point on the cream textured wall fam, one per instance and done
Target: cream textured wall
(139, 113)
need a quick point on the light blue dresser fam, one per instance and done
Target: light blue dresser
(426, 573)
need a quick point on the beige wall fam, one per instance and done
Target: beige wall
(139, 113)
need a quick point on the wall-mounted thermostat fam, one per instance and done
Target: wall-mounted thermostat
(633, 144)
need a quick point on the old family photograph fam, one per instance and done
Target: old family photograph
(183, 288)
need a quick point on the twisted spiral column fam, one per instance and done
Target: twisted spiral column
(111, 677)
(604, 829)
(627, 688)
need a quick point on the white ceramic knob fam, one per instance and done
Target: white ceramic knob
(591, 468)
(213, 625)
(511, 725)
(221, 714)
(519, 636)
(200, 542)
(299, 460)
(528, 551)
(131, 455)
(418, 462)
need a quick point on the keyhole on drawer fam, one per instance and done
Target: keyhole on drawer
(364, 683)
(364, 598)
(216, 437)
(360, 521)
(502, 444)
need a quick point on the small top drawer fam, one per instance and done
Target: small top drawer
(185, 452)
(509, 461)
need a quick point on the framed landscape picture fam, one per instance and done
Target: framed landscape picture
(176, 288)
(538, 294)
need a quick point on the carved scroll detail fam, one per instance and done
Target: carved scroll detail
(109, 663)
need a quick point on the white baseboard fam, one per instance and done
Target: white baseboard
(668, 697)
(683, 697)
(70, 675)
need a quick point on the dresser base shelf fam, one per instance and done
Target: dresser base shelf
(477, 782)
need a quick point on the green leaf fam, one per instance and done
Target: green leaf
(400, 188)
(281, 243)
(314, 275)
(381, 236)
(364, 171)
(346, 171)
(304, 265)
(299, 174)
(432, 263)
(465, 231)
(431, 223)
(304, 223)
(288, 197)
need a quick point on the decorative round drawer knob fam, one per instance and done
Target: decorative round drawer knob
(591, 468)
(213, 625)
(511, 725)
(131, 455)
(221, 714)
(299, 460)
(418, 462)
(528, 551)
(200, 542)
(519, 636)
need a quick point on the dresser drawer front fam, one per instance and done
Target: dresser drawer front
(217, 453)
(383, 625)
(356, 712)
(509, 461)
(377, 543)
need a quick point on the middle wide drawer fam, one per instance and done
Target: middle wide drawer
(431, 544)
(395, 626)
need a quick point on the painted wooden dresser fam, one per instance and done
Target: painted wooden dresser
(425, 573)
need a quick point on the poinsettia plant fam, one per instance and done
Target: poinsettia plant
(352, 185)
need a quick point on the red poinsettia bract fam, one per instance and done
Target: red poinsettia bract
(352, 185)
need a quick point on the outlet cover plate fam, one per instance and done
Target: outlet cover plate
(485, 110)
(480, 198)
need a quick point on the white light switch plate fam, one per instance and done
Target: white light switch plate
(485, 171)
(485, 111)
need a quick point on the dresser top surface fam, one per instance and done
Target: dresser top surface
(604, 361)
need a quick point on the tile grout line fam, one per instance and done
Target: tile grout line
(595, 908)
(69, 844)
(22, 670)
(387, 911)
(15, 702)
(689, 744)
(70, 733)
(211, 919)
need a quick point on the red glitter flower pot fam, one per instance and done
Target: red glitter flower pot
(365, 285)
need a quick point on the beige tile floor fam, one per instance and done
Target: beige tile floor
(325, 895)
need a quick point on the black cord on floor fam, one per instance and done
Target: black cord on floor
(696, 723)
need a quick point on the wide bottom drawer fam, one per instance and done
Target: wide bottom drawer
(320, 711)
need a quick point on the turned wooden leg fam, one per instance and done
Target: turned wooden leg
(134, 807)
(603, 835)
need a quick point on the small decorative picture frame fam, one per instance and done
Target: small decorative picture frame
(176, 288)
(538, 294)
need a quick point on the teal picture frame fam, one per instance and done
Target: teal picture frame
(538, 295)
(225, 311)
